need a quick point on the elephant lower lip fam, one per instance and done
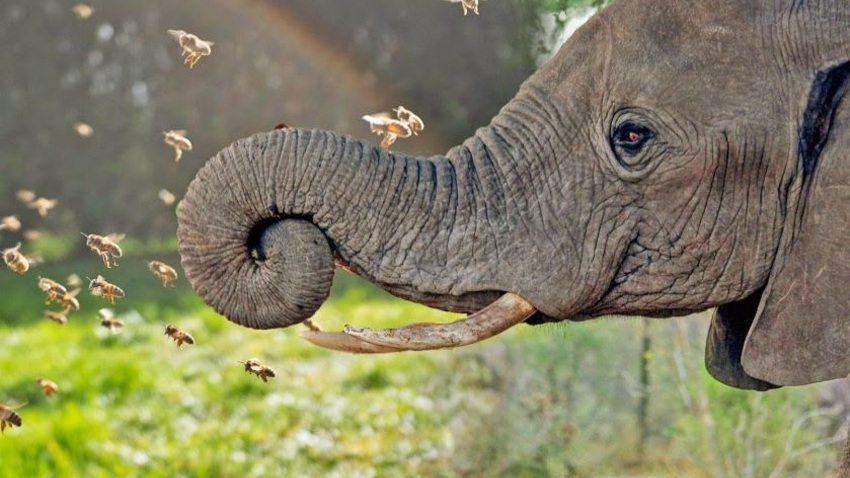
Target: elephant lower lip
(504, 313)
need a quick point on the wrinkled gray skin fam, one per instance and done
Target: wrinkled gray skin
(673, 156)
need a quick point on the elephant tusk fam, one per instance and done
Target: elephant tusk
(504, 313)
(342, 342)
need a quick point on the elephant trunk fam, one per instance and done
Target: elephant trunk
(256, 264)
(264, 220)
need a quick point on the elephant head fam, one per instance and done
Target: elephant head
(672, 157)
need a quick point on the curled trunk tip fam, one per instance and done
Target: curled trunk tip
(254, 264)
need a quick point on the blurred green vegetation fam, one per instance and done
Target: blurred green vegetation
(554, 400)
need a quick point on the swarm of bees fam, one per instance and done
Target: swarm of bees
(48, 386)
(15, 260)
(467, 5)
(258, 368)
(193, 47)
(99, 287)
(176, 138)
(106, 247)
(405, 124)
(8, 417)
(180, 336)
(109, 321)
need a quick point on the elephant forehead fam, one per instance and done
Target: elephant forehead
(677, 35)
(697, 57)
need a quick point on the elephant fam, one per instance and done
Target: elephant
(672, 157)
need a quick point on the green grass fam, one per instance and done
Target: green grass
(546, 401)
(133, 404)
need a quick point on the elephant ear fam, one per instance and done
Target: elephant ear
(801, 330)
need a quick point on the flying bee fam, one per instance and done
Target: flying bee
(10, 223)
(259, 369)
(176, 138)
(101, 288)
(180, 336)
(84, 130)
(105, 247)
(108, 320)
(49, 386)
(74, 282)
(58, 317)
(390, 128)
(69, 301)
(167, 197)
(8, 417)
(82, 11)
(467, 5)
(312, 325)
(15, 260)
(193, 47)
(53, 289)
(164, 272)
(114, 325)
(31, 235)
(42, 205)
(25, 196)
(406, 116)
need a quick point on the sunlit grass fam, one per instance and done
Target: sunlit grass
(556, 400)
(134, 404)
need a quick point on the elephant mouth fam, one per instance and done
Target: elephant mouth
(508, 310)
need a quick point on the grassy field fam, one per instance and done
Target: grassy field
(547, 401)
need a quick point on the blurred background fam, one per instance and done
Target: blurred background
(614, 397)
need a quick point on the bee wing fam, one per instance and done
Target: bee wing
(13, 407)
(116, 237)
(177, 34)
(378, 118)
(181, 132)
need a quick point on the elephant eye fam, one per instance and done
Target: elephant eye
(630, 137)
